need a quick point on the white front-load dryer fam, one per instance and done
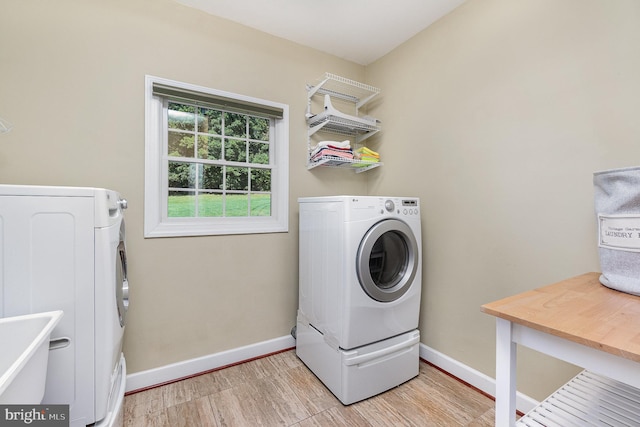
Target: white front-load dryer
(360, 267)
(63, 248)
(360, 280)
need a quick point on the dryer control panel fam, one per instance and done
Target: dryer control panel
(362, 207)
(400, 206)
(410, 207)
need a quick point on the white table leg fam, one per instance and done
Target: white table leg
(505, 374)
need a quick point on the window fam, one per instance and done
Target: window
(215, 162)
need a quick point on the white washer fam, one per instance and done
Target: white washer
(63, 248)
(359, 292)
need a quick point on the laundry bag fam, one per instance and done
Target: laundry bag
(617, 204)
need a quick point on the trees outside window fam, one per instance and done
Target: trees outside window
(211, 169)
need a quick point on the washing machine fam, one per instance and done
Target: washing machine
(360, 279)
(63, 248)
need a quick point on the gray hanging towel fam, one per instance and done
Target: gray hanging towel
(617, 204)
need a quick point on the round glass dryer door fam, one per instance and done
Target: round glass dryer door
(387, 260)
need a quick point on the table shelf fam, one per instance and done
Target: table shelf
(587, 400)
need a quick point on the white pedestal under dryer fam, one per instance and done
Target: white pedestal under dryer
(359, 292)
(63, 248)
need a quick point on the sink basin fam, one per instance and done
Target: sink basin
(25, 352)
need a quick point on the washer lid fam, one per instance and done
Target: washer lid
(387, 260)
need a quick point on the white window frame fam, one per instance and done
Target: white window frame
(156, 222)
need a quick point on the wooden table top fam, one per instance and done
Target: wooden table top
(579, 309)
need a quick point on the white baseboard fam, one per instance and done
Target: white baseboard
(469, 375)
(163, 374)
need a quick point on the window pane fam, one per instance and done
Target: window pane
(261, 205)
(182, 175)
(235, 125)
(237, 205)
(210, 205)
(187, 176)
(181, 116)
(259, 128)
(180, 144)
(210, 121)
(260, 179)
(259, 153)
(210, 177)
(237, 178)
(235, 150)
(181, 204)
(209, 147)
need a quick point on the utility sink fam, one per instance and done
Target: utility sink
(24, 344)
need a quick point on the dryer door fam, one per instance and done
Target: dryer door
(388, 259)
(122, 282)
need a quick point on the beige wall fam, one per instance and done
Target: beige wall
(496, 116)
(72, 82)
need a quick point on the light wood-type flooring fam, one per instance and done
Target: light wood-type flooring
(279, 390)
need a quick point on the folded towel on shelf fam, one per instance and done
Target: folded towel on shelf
(330, 148)
(363, 163)
(337, 144)
(333, 147)
(369, 159)
(336, 149)
(367, 155)
(364, 152)
(366, 160)
(331, 152)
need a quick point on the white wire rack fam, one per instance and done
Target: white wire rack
(587, 400)
(357, 165)
(343, 88)
(334, 121)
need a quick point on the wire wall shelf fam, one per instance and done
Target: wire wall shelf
(331, 120)
(343, 88)
(358, 166)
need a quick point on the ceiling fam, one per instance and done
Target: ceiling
(357, 30)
